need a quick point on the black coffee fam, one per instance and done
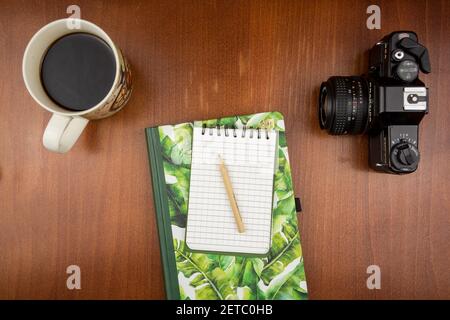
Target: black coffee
(78, 71)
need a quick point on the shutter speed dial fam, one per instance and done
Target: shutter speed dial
(405, 156)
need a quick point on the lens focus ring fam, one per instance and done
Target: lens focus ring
(343, 105)
(341, 116)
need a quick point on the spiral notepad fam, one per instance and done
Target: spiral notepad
(249, 155)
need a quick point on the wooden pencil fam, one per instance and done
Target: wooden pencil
(231, 196)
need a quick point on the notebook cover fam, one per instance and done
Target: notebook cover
(189, 275)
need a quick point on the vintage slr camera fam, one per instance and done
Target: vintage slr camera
(388, 103)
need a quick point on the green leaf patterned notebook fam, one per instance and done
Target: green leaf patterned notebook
(196, 275)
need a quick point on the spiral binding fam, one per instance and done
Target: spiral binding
(226, 131)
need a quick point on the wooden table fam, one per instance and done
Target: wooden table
(93, 206)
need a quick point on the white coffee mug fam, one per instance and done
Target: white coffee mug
(66, 126)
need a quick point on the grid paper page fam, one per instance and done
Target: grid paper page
(250, 162)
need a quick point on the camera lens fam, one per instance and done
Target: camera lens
(343, 105)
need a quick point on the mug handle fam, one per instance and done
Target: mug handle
(62, 132)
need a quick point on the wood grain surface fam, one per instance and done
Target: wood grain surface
(93, 206)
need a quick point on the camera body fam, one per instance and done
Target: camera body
(387, 104)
